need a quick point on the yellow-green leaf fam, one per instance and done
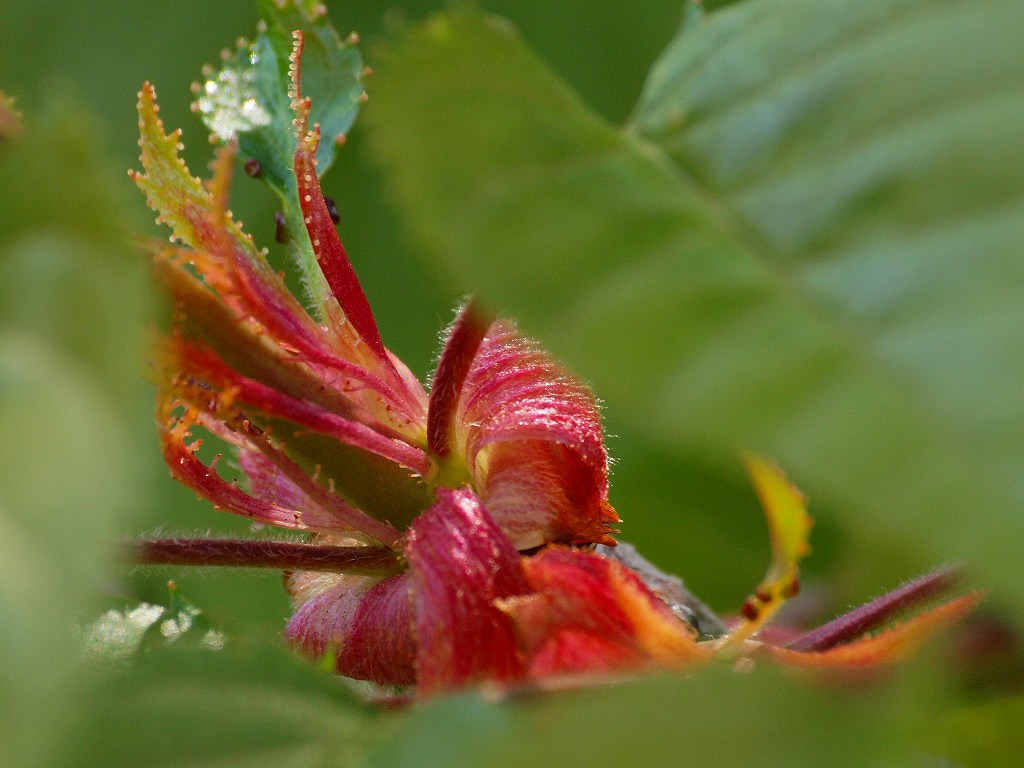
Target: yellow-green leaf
(789, 526)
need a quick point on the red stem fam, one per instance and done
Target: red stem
(252, 553)
(878, 611)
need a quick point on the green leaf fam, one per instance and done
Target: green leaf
(72, 306)
(714, 718)
(985, 735)
(247, 705)
(248, 99)
(332, 69)
(805, 242)
(54, 478)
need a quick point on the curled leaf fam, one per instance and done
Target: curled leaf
(588, 614)
(789, 527)
(533, 444)
(462, 565)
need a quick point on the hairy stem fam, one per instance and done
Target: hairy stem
(878, 611)
(251, 553)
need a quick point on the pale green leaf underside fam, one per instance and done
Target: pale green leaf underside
(806, 241)
(247, 99)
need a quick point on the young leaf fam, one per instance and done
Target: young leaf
(789, 526)
(247, 100)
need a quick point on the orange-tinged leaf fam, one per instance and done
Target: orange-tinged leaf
(179, 197)
(885, 647)
(198, 215)
(590, 614)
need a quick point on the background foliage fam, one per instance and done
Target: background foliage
(805, 240)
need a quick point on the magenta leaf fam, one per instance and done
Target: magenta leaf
(461, 563)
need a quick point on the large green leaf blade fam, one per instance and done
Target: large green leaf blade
(711, 718)
(825, 269)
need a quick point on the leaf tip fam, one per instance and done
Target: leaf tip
(785, 507)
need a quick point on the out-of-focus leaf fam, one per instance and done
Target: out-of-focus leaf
(248, 100)
(986, 735)
(714, 718)
(63, 459)
(67, 272)
(69, 291)
(248, 706)
(54, 180)
(71, 305)
(117, 635)
(807, 242)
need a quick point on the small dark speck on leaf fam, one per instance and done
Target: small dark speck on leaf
(280, 228)
(332, 209)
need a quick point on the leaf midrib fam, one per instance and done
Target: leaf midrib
(817, 59)
(854, 341)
